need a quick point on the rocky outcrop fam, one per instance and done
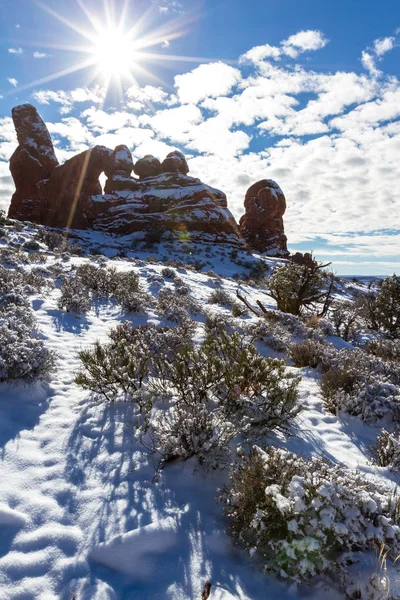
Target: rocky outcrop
(175, 163)
(119, 171)
(65, 195)
(262, 224)
(33, 160)
(148, 166)
(164, 198)
(168, 202)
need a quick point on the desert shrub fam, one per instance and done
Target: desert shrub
(220, 296)
(359, 384)
(188, 430)
(175, 306)
(30, 245)
(105, 282)
(121, 366)
(168, 273)
(4, 220)
(302, 517)
(239, 310)
(291, 323)
(100, 281)
(255, 393)
(344, 316)
(52, 239)
(295, 287)
(382, 310)
(306, 354)
(386, 450)
(386, 349)
(73, 297)
(271, 333)
(22, 355)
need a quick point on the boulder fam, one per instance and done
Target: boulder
(262, 224)
(175, 162)
(119, 170)
(148, 166)
(33, 160)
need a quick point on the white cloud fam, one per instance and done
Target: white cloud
(368, 62)
(13, 81)
(40, 55)
(259, 53)
(139, 96)
(165, 44)
(303, 41)
(374, 54)
(206, 81)
(169, 6)
(383, 45)
(67, 99)
(15, 51)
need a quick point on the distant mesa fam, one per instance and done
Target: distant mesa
(163, 198)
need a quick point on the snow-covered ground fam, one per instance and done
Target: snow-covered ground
(82, 515)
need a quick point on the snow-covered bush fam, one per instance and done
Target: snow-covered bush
(291, 323)
(301, 517)
(22, 355)
(220, 296)
(344, 316)
(168, 273)
(307, 354)
(101, 281)
(360, 384)
(272, 334)
(386, 450)
(386, 349)
(176, 307)
(239, 310)
(74, 298)
(188, 430)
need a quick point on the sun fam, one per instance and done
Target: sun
(116, 46)
(115, 53)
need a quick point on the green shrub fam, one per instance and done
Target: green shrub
(382, 311)
(294, 287)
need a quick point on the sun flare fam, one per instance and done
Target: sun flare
(115, 54)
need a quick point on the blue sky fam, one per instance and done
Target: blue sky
(306, 92)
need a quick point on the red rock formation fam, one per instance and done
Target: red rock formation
(148, 166)
(262, 224)
(164, 198)
(65, 195)
(33, 160)
(169, 202)
(175, 163)
(119, 171)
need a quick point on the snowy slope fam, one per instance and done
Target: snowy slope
(82, 514)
